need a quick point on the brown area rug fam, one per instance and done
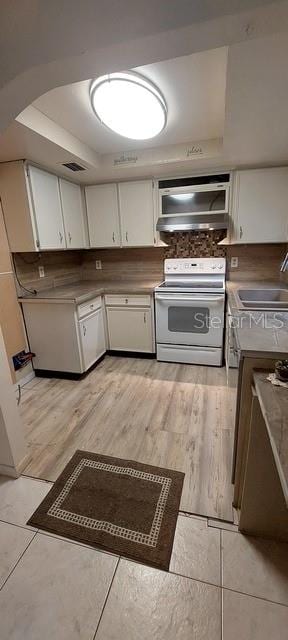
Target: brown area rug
(125, 507)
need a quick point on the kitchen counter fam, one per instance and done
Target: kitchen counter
(264, 499)
(79, 292)
(274, 406)
(258, 333)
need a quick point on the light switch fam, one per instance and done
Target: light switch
(41, 272)
(98, 264)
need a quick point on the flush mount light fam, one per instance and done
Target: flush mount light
(129, 104)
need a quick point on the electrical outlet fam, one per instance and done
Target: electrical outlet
(41, 272)
(234, 263)
(98, 264)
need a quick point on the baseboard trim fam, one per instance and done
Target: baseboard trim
(15, 472)
(10, 472)
(67, 375)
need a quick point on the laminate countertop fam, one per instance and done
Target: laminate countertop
(258, 333)
(79, 292)
(274, 406)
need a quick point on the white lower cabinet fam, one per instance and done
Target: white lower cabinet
(130, 327)
(63, 340)
(92, 338)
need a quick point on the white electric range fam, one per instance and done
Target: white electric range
(190, 311)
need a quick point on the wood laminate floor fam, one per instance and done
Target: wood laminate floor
(171, 415)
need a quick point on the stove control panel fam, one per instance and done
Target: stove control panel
(180, 266)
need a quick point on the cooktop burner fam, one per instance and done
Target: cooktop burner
(194, 275)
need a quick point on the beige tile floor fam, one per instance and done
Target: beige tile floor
(221, 585)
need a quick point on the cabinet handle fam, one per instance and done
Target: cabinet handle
(84, 329)
(70, 237)
(113, 236)
(61, 237)
(144, 318)
(126, 300)
(241, 232)
(126, 236)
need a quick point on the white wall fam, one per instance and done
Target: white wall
(12, 446)
(45, 46)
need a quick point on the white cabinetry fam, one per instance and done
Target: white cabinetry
(131, 204)
(82, 327)
(46, 200)
(73, 214)
(136, 213)
(103, 215)
(130, 323)
(260, 211)
(40, 210)
(92, 337)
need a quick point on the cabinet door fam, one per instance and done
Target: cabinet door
(260, 205)
(92, 336)
(136, 213)
(47, 209)
(130, 329)
(73, 214)
(103, 215)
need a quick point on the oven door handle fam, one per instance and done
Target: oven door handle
(189, 298)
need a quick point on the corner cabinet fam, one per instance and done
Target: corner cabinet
(46, 202)
(103, 215)
(83, 327)
(137, 213)
(40, 210)
(259, 206)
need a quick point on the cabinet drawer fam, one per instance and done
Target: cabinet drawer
(129, 300)
(89, 307)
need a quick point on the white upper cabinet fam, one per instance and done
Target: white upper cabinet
(45, 195)
(103, 215)
(136, 213)
(41, 211)
(73, 214)
(260, 205)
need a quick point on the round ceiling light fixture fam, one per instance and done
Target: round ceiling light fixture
(129, 104)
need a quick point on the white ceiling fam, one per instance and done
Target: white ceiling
(194, 89)
(249, 120)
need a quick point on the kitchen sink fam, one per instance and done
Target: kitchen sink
(266, 299)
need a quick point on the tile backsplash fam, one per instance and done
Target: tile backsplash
(255, 262)
(59, 266)
(195, 244)
(124, 264)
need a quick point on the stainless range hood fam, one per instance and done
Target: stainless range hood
(192, 222)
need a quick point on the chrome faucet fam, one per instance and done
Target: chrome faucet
(284, 265)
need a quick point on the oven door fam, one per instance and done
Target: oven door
(190, 319)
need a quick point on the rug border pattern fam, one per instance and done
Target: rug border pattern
(150, 539)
